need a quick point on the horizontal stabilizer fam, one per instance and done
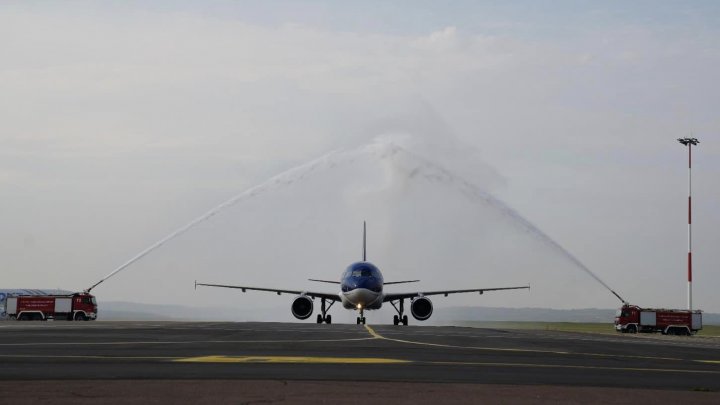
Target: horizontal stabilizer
(400, 282)
(324, 281)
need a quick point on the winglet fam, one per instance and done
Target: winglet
(364, 241)
(195, 284)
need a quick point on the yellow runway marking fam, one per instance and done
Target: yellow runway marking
(353, 360)
(373, 333)
(290, 359)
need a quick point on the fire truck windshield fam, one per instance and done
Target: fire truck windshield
(88, 300)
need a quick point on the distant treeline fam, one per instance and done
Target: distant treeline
(135, 311)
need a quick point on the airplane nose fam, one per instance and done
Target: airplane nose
(371, 284)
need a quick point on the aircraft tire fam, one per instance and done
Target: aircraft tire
(396, 320)
(319, 319)
(328, 319)
(358, 320)
(405, 320)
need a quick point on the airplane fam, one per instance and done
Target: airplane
(361, 288)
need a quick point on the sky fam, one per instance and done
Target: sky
(123, 121)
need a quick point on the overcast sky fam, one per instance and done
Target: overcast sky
(122, 121)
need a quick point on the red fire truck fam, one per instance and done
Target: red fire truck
(71, 307)
(633, 319)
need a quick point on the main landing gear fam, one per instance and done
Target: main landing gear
(399, 318)
(361, 318)
(325, 317)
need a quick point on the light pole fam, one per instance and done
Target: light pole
(689, 142)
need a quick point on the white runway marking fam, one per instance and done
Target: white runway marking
(125, 343)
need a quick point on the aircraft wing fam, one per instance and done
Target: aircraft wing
(398, 296)
(327, 296)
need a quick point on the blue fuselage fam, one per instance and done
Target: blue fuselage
(362, 286)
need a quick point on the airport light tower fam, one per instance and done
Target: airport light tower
(689, 142)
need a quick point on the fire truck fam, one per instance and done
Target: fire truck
(41, 305)
(633, 319)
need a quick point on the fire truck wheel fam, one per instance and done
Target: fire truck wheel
(80, 317)
(632, 329)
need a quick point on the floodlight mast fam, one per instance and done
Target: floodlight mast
(689, 142)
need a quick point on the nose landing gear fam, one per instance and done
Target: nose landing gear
(361, 318)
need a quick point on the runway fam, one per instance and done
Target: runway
(340, 352)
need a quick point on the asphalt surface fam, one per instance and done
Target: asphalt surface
(340, 352)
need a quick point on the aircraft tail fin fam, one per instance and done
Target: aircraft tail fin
(364, 241)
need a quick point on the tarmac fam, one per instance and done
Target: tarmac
(204, 362)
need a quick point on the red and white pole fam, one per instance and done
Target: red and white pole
(689, 142)
(689, 261)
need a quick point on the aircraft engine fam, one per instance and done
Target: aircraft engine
(421, 308)
(302, 307)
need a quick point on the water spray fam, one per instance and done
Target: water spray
(284, 178)
(382, 150)
(545, 238)
(477, 193)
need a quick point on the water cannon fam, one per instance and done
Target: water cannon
(87, 290)
(620, 298)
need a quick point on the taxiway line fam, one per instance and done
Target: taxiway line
(290, 359)
(156, 342)
(376, 335)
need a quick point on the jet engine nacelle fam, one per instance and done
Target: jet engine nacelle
(302, 307)
(421, 308)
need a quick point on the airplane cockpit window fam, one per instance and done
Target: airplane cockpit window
(362, 273)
